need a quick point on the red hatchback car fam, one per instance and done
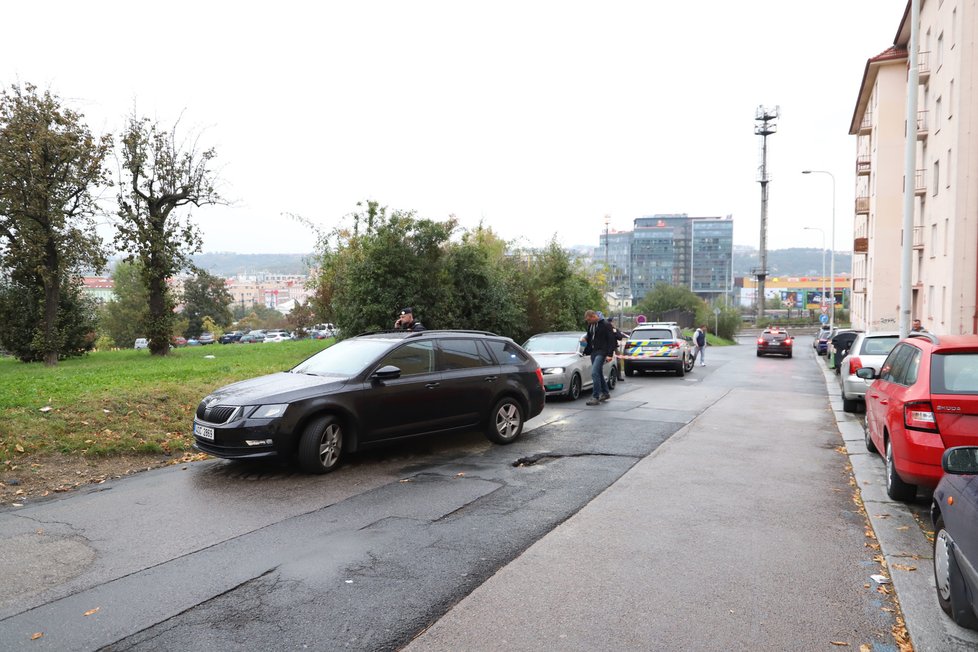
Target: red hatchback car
(924, 400)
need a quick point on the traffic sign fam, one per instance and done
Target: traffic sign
(640, 319)
(824, 319)
(825, 310)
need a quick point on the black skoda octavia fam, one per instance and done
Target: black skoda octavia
(371, 389)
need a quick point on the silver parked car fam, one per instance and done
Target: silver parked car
(566, 370)
(867, 350)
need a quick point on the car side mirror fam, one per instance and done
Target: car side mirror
(388, 372)
(961, 460)
(866, 373)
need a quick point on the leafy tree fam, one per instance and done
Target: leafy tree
(206, 294)
(161, 174)
(665, 297)
(123, 318)
(208, 325)
(300, 317)
(22, 306)
(558, 295)
(257, 316)
(50, 169)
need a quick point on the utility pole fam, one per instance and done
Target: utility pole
(764, 119)
(910, 172)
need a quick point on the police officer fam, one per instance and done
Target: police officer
(407, 322)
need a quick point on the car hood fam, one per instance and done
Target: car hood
(555, 359)
(280, 387)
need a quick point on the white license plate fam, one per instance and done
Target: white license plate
(203, 432)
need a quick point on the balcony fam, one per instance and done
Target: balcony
(864, 164)
(860, 246)
(918, 237)
(923, 66)
(920, 182)
(921, 125)
(862, 205)
(866, 125)
(858, 285)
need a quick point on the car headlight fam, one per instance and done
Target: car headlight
(269, 411)
(553, 370)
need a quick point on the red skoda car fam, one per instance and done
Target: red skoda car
(924, 400)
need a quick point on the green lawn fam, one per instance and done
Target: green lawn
(125, 401)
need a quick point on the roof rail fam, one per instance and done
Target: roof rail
(930, 337)
(448, 330)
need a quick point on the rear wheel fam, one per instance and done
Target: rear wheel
(613, 378)
(870, 446)
(849, 404)
(505, 421)
(574, 392)
(681, 369)
(896, 488)
(689, 362)
(759, 354)
(629, 371)
(321, 445)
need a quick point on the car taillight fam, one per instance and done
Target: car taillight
(673, 345)
(919, 415)
(540, 376)
(788, 341)
(854, 365)
(760, 340)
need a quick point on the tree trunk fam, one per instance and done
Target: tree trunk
(159, 322)
(52, 295)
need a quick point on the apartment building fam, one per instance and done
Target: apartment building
(945, 183)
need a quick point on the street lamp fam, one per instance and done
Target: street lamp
(822, 231)
(832, 272)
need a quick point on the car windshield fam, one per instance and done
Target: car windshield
(554, 343)
(346, 358)
(954, 373)
(652, 334)
(878, 345)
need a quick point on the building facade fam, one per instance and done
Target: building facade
(944, 273)
(693, 252)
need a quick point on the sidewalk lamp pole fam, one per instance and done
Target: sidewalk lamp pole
(832, 249)
(822, 231)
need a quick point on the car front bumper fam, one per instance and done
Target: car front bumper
(244, 438)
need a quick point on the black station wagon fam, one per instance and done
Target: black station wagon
(371, 389)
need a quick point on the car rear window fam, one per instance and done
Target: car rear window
(461, 354)
(506, 352)
(878, 345)
(774, 337)
(652, 334)
(954, 373)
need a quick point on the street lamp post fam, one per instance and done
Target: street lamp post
(822, 231)
(832, 249)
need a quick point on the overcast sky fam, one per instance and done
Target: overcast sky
(538, 118)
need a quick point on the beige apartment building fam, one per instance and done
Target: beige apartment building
(945, 231)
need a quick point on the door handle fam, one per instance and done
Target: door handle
(875, 395)
(431, 385)
(884, 402)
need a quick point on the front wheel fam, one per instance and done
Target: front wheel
(321, 445)
(870, 446)
(505, 422)
(848, 404)
(896, 488)
(690, 361)
(574, 392)
(951, 589)
(613, 378)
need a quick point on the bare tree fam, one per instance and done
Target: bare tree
(159, 175)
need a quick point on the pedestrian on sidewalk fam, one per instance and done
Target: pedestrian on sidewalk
(600, 345)
(699, 341)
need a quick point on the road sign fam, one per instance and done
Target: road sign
(640, 319)
(716, 311)
(824, 319)
(825, 310)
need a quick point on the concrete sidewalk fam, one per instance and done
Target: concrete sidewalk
(739, 533)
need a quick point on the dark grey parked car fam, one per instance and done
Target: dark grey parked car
(371, 389)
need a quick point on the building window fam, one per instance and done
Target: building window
(950, 100)
(930, 301)
(937, 177)
(954, 26)
(947, 172)
(940, 50)
(938, 105)
(933, 240)
(947, 228)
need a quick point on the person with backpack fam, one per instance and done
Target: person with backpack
(699, 341)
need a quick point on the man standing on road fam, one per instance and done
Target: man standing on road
(699, 340)
(601, 344)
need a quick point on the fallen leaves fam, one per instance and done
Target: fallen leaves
(904, 567)
(92, 612)
(36, 635)
(839, 643)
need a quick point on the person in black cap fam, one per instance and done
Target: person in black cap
(407, 322)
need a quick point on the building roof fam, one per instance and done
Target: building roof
(98, 283)
(892, 54)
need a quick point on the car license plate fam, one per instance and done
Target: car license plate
(203, 432)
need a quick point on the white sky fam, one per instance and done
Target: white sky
(539, 118)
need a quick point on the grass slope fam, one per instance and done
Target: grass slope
(112, 402)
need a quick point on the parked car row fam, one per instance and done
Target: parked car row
(921, 396)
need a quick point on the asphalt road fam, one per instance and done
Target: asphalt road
(218, 555)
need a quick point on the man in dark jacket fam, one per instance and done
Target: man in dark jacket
(601, 345)
(407, 322)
